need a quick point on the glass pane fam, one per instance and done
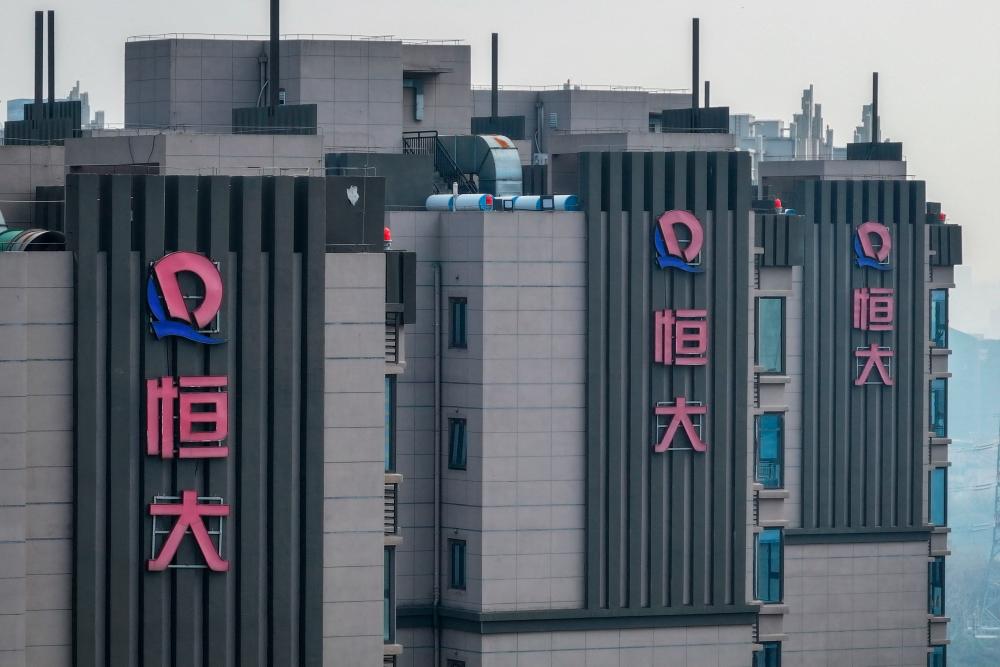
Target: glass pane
(769, 444)
(937, 657)
(770, 334)
(390, 399)
(939, 317)
(935, 576)
(939, 407)
(458, 323)
(938, 493)
(387, 569)
(769, 565)
(456, 444)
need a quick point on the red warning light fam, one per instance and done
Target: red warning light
(777, 204)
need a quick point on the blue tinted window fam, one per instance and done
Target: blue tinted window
(938, 657)
(770, 444)
(938, 513)
(457, 444)
(771, 334)
(387, 611)
(456, 548)
(939, 317)
(767, 583)
(390, 423)
(458, 329)
(768, 656)
(935, 587)
(939, 407)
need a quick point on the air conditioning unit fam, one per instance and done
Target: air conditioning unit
(553, 120)
(539, 158)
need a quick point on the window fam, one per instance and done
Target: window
(935, 586)
(389, 599)
(938, 657)
(938, 510)
(770, 353)
(458, 331)
(939, 407)
(390, 423)
(768, 656)
(939, 317)
(769, 445)
(457, 444)
(457, 550)
(767, 585)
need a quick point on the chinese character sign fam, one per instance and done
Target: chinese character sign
(680, 337)
(187, 417)
(873, 308)
(208, 424)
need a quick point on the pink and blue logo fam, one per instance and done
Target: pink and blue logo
(670, 253)
(872, 245)
(168, 308)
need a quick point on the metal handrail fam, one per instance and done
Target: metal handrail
(421, 142)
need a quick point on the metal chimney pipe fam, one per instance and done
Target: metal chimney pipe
(875, 137)
(708, 92)
(495, 88)
(39, 37)
(695, 79)
(275, 56)
(52, 62)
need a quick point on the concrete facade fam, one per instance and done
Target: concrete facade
(353, 458)
(36, 459)
(357, 86)
(22, 169)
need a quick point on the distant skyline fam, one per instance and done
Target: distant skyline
(939, 66)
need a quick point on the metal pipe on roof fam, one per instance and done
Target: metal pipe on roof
(495, 87)
(39, 37)
(52, 62)
(275, 55)
(875, 137)
(695, 79)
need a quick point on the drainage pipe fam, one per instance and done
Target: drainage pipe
(437, 461)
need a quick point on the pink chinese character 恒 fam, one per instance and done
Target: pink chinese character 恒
(680, 337)
(189, 513)
(680, 417)
(208, 424)
(875, 357)
(874, 308)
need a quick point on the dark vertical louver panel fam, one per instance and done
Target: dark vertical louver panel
(665, 531)
(267, 235)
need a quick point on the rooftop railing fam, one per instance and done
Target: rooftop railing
(580, 86)
(291, 37)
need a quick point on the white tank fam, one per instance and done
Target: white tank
(477, 202)
(440, 203)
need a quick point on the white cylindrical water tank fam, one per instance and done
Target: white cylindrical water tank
(477, 202)
(440, 203)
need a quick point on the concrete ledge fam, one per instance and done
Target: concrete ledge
(551, 620)
(856, 535)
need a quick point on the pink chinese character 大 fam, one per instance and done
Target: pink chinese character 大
(680, 417)
(875, 360)
(874, 308)
(680, 337)
(189, 513)
(203, 415)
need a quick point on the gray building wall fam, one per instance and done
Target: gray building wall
(199, 154)
(357, 86)
(36, 459)
(22, 169)
(856, 604)
(353, 459)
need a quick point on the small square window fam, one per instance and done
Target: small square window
(458, 441)
(456, 549)
(458, 323)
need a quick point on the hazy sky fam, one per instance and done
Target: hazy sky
(939, 65)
